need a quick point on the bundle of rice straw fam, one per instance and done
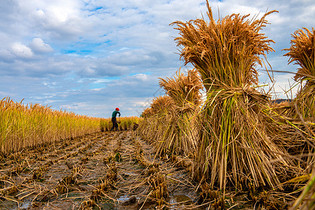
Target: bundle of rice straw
(302, 52)
(181, 135)
(155, 117)
(235, 148)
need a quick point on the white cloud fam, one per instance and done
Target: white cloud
(39, 45)
(58, 19)
(141, 77)
(21, 50)
(112, 52)
(98, 81)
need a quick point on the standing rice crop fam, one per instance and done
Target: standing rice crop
(125, 123)
(235, 147)
(33, 124)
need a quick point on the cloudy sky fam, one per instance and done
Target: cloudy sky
(90, 56)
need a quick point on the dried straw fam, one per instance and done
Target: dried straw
(302, 52)
(235, 148)
(181, 133)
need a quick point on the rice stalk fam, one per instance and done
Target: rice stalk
(307, 198)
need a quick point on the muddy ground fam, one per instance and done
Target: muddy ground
(105, 170)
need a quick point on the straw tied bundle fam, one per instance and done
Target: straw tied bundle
(302, 52)
(181, 133)
(234, 147)
(155, 118)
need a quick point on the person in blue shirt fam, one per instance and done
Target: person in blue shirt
(114, 120)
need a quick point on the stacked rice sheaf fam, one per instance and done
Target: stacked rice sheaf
(302, 52)
(235, 146)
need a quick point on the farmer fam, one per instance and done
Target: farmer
(114, 120)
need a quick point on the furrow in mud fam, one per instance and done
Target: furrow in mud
(106, 170)
(45, 170)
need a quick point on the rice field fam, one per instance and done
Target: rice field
(30, 125)
(235, 148)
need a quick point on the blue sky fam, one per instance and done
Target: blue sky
(89, 56)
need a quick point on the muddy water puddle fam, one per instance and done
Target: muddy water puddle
(177, 201)
(180, 199)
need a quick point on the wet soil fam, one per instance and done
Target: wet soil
(105, 170)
